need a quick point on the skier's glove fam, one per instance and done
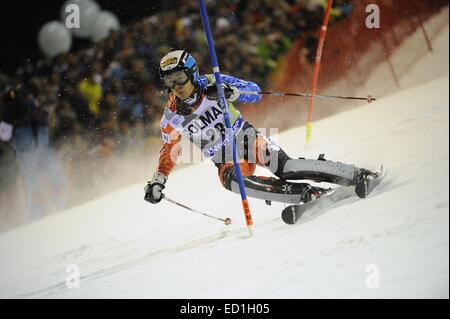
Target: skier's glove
(153, 189)
(231, 92)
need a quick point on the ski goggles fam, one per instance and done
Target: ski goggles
(175, 78)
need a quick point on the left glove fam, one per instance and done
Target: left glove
(231, 92)
(153, 189)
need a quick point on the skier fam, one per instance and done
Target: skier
(194, 111)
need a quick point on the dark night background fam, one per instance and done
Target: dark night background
(21, 21)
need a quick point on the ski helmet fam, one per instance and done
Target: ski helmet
(179, 60)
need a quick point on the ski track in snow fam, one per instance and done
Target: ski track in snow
(126, 248)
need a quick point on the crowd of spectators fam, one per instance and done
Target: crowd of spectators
(107, 98)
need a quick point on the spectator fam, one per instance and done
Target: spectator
(12, 197)
(103, 99)
(91, 89)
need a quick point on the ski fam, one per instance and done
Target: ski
(292, 213)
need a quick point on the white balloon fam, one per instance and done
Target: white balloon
(88, 11)
(104, 23)
(54, 38)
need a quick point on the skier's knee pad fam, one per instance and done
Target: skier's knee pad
(270, 155)
(227, 172)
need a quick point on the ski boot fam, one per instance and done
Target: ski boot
(366, 181)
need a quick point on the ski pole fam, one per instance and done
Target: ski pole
(227, 220)
(369, 98)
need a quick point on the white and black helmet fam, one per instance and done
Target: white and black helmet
(179, 60)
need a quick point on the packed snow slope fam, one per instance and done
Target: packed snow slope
(393, 244)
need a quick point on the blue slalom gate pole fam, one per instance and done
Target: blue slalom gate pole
(216, 70)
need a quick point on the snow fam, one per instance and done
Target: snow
(127, 248)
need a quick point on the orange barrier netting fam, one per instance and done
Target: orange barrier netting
(347, 42)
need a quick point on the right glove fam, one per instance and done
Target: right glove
(231, 92)
(153, 189)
